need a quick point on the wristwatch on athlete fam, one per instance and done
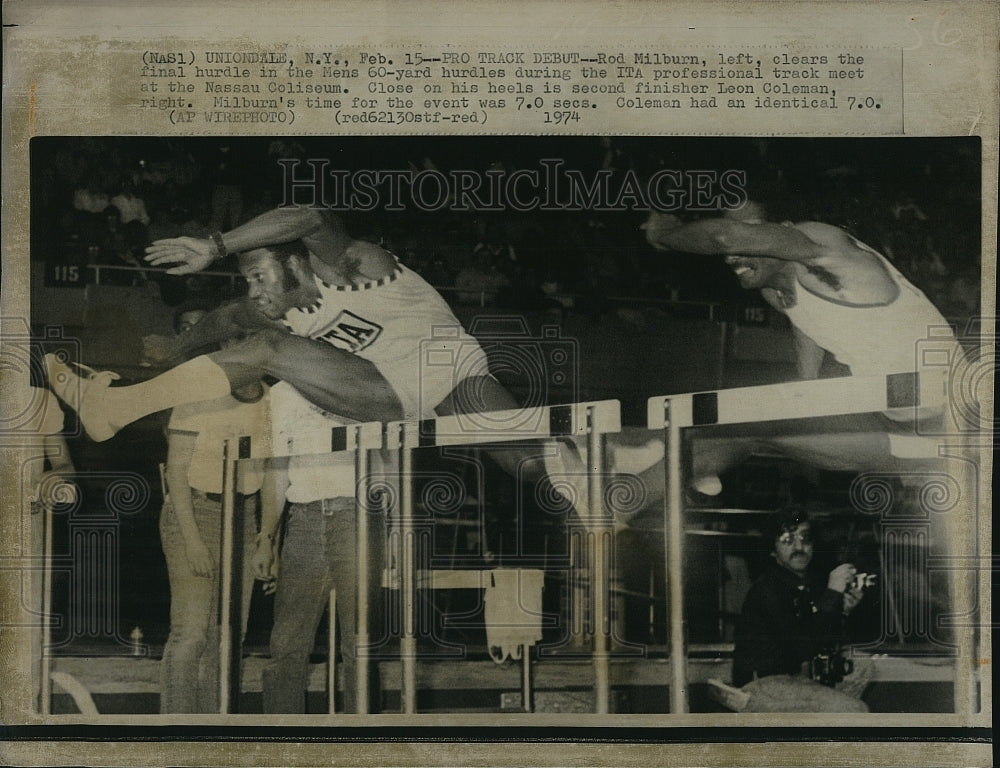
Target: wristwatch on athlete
(220, 247)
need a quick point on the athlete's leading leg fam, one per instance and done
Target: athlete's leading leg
(103, 409)
(335, 380)
(484, 394)
(559, 460)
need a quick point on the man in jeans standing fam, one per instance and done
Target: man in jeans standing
(319, 552)
(191, 535)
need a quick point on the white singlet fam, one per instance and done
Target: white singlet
(872, 340)
(214, 421)
(403, 326)
(302, 430)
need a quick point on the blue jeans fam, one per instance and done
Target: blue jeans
(319, 553)
(189, 670)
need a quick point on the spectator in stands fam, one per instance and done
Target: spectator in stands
(480, 280)
(415, 260)
(188, 315)
(133, 220)
(960, 299)
(227, 188)
(90, 202)
(119, 248)
(131, 207)
(502, 253)
(273, 181)
(598, 278)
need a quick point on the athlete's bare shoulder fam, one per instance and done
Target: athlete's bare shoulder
(367, 260)
(824, 234)
(844, 267)
(837, 243)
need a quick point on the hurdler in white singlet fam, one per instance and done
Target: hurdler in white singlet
(403, 326)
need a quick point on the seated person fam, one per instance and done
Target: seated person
(790, 626)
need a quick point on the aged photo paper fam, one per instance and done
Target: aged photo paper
(567, 383)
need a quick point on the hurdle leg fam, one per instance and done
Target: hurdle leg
(962, 541)
(889, 593)
(231, 572)
(407, 584)
(673, 530)
(600, 572)
(527, 688)
(578, 602)
(331, 663)
(362, 630)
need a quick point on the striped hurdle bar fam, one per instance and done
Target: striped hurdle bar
(359, 438)
(901, 395)
(592, 420)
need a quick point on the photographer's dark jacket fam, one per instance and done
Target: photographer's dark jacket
(783, 624)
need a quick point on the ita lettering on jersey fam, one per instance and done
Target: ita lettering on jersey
(351, 332)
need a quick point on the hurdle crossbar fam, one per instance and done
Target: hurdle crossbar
(896, 393)
(570, 420)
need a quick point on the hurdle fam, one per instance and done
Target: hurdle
(592, 420)
(359, 438)
(782, 409)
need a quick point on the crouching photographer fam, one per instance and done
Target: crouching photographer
(788, 640)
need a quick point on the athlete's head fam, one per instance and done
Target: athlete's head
(756, 271)
(792, 540)
(189, 314)
(278, 277)
(752, 271)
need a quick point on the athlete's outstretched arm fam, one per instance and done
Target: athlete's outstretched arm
(224, 322)
(725, 236)
(281, 225)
